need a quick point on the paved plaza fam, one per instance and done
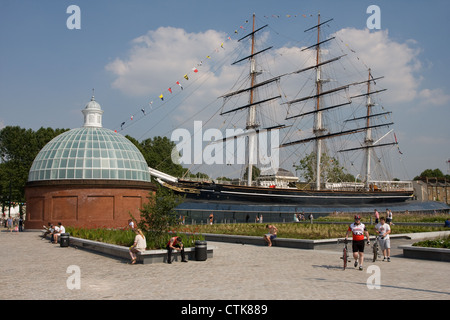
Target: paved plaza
(36, 269)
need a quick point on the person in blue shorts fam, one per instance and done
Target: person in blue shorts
(268, 237)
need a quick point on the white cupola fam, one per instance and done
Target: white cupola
(92, 114)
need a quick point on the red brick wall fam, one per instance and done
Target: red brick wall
(84, 203)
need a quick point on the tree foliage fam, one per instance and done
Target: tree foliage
(256, 172)
(18, 149)
(157, 153)
(331, 171)
(430, 173)
(159, 215)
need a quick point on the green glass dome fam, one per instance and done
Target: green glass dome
(90, 152)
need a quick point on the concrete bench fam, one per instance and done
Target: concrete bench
(437, 254)
(146, 257)
(155, 256)
(259, 241)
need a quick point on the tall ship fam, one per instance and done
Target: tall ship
(319, 121)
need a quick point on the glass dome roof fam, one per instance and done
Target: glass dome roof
(90, 152)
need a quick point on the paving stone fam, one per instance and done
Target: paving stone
(36, 269)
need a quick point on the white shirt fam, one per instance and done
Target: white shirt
(382, 229)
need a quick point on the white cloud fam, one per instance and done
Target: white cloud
(397, 62)
(434, 97)
(160, 58)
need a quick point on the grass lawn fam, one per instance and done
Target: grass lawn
(285, 230)
(300, 230)
(397, 217)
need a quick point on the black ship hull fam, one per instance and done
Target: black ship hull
(229, 193)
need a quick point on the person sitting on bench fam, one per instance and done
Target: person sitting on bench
(48, 230)
(58, 231)
(175, 243)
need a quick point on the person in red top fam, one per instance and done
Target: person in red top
(175, 243)
(358, 231)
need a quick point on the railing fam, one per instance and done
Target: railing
(201, 216)
(373, 185)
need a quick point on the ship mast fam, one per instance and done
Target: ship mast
(318, 127)
(368, 139)
(319, 131)
(252, 126)
(251, 117)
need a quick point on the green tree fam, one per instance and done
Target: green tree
(18, 149)
(157, 153)
(331, 171)
(256, 172)
(158, 216)
(198, 175)
(430, 173)
(224, 179)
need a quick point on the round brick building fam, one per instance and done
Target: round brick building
(89, 176)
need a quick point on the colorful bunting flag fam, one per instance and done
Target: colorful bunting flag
(161, 97)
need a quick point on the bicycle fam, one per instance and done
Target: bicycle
(375, 249)
(345, 256)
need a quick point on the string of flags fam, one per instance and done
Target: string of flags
(395, 136)
(289, 16)
(195, 70)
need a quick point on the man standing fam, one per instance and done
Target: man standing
(211, 218)
(131, 224)
(389, 217)
(268, 237)
(20, 224)
(175, 243)
(383, 230)
(9, 224)
(358, 231)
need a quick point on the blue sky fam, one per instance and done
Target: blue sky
(47, 71)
